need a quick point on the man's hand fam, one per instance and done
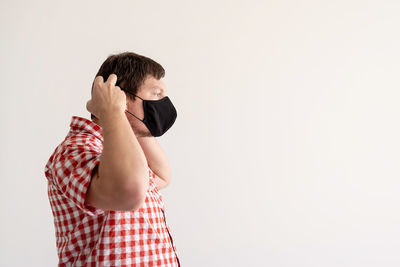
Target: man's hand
(106, 98)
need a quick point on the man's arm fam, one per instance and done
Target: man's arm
(157, 160)
(121, 180)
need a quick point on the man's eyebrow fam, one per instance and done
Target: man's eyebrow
(158, 87)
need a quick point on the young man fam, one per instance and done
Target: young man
(104, 178)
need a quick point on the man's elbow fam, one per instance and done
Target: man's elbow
(133, 197)
(161, 183)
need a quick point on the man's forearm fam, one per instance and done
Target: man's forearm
(156, 158)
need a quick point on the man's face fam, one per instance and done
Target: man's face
(152, 89)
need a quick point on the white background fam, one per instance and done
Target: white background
(286, 147)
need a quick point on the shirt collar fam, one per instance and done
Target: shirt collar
(87, 125)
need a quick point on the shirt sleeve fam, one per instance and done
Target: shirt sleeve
(73, 165)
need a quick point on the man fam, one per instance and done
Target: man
(104, 178)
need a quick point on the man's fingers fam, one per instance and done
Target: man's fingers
(99, 80)
(112, 79)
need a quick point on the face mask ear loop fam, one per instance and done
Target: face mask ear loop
(133, 115)
(137, 96)
(130, 93)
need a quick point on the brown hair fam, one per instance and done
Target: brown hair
(131, 70)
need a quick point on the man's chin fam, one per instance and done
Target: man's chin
(143, 134)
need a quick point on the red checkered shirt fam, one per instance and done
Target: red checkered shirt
(89, 236)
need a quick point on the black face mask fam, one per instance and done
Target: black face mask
(159, 115)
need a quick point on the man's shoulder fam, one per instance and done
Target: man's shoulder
(83, 132)
(81, 139)
(83, 136)
(83, 125)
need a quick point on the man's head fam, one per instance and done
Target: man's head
(139, 76)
